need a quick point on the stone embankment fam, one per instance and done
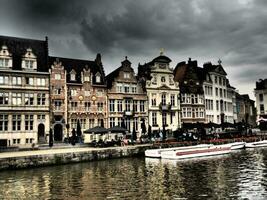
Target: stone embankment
(39, 158)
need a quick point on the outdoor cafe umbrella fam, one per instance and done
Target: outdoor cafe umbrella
(96, 130)
(117, 129)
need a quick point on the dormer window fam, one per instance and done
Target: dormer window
(163, 80)
(29, 61)
(73, 75)
(5, 57)
(97, 78)
(86, 78)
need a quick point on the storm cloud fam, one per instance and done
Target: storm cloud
(206, 30)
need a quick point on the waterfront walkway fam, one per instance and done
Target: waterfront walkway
(51, 151)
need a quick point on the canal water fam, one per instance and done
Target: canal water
(239, 175)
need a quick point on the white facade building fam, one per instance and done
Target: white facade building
(163, 94)
(24, 91)
(219, 95)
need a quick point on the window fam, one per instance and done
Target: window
(163, 80)
(3, 122)
(29, 64)
(73, 76)
(127, 105)
(100, 106)
(111, 105)
(16, 80)
(133, 89)
(40, 81)
(220, 80)
(217, 105)
(126, 75)
(119, 88)
(73, 123)
(98, 78)
(126, 89)
(4, 62)
(154, 100)
(86, 78)
(16, 99)
(73, 105)
(41, 99)
(29, 99)
(119, 105)
(136, 123)
(83, 123)
(172, 115)
(261, 108)
(57, 91)
(120, 121)
(154, 80)
(142, 106)
(173, 100)
(73, 92)
(16, 122)
(215, 79)
(216, 91)
(87, 106)
(29, 81)
(163, 99)
(154, 118)
(164, 118)
(91, 123)
(58, 104)
(28, 122)
(111, 122)
(135, 105)
(4, 80)
(189, 112)
(40, 117)
(58, 76)
(3, 98)
(221, 95)
(261, 97)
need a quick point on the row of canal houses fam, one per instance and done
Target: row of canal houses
(39, 92)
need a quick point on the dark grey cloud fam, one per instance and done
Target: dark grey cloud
(206, 30)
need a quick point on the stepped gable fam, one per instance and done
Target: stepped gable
(78, 66)
(18, 48)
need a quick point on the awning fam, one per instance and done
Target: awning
(117, 129)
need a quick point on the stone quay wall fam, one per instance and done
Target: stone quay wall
(39, 160)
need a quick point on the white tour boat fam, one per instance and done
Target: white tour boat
(197, 152)
(262, 143)
(156, 153)
(235, 145)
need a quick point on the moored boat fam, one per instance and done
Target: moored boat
(197, 152)
(235, 145)
(156, 153)
(262, 143)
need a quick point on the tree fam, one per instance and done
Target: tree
(50, 137)
(149, 132)
(143, 127)
(163, 133)
(73, 137)
(79, 131)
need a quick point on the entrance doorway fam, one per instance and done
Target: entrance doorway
(58, 132)
(41, 133)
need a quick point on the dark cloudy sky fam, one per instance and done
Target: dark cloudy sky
(233, 30)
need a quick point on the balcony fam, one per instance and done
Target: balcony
(165, 108)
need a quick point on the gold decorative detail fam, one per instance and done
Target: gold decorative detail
(93, 98)
(80, 97)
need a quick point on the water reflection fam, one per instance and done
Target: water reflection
(239, 175)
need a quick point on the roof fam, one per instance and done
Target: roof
(78, 66)
(125, 66)
(261, 84)
(208, 67)
(18, 48)
(162, 59)
(189, 77)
